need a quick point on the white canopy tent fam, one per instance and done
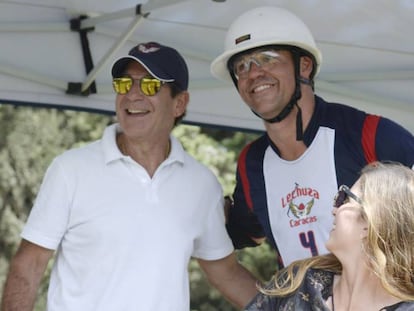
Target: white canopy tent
(367, 46)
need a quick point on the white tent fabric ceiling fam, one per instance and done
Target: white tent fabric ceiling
(367, 47)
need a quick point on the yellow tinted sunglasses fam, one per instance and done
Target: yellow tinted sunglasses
(148, 85)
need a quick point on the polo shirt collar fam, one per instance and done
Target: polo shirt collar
(112, 153)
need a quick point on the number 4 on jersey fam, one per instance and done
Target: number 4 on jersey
(308, 241)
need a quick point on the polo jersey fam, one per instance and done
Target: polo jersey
(290, 202)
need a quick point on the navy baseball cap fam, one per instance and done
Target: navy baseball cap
(162, 62)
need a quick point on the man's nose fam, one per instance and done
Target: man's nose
(135, 91)
(254, 67)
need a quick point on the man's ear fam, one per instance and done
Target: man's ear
(181, 102)
(306, 66)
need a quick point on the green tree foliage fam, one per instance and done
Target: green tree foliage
(210, 152)
(30, 138)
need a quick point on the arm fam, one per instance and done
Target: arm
(242, 224)
(234, 281)
(25, 273)
(394, 143)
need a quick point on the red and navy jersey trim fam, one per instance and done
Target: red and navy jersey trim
(360, 138)
(369, 133)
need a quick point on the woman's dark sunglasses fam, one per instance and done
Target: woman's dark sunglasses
(343, 194)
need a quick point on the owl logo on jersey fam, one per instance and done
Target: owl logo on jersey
(301, 210)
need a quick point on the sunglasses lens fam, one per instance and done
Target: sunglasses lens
(122, 85)
(150, 86)
(340, 198)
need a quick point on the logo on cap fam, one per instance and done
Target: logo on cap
(148, 47)
(242, 38)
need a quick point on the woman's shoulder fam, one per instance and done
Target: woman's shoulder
(263, 302)
(314, 290)
(319, 278)
(401, 306)
(318, 283)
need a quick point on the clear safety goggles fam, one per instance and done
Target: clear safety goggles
(264, 59)
(148, 85)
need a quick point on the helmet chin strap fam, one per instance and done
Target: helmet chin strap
(285, 112)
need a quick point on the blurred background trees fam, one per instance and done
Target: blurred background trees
(31, 137)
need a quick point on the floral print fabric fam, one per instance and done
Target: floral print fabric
(310, 296)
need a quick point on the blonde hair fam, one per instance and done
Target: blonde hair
(387, 192)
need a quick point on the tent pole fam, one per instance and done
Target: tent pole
(143, 9)
(116, 46)
(41, 79)
(139, 9)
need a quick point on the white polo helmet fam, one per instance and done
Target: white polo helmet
(264, 26)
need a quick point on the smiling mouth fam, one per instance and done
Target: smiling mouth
(136, 111)
(261, 88)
